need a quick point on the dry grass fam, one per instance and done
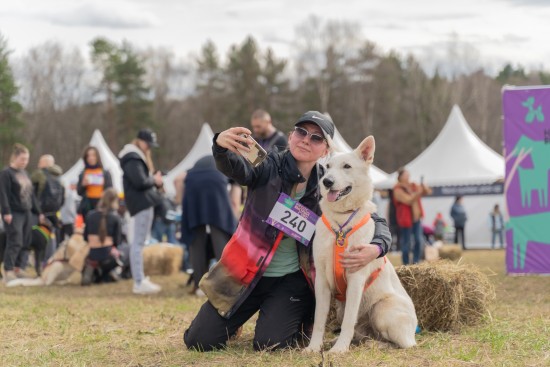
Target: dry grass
(107, 325)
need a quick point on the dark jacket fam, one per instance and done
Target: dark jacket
(16, 192)
(206, 200)
(458, 213)
(249, 252)
(139, 185)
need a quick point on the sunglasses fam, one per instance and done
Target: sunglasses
(314, 138)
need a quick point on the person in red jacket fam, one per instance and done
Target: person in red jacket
(409, 213)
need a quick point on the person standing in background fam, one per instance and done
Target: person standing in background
(207, 213)
(266, 134)
(141, 196)
(458, 213)
(497, 226)
(17, 202)
(439, 227)
(50, 194)
(165, 220)
(409, 214)
(92, 181)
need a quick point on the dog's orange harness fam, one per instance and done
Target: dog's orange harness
(340, 245)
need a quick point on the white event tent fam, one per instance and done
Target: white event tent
(201, 148)
(109, 160)
(457, 161)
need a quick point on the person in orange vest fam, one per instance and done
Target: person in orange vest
(92, 181)
(409, 213)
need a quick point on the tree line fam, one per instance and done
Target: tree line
(53, 97)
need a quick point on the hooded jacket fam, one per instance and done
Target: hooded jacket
(250, 250)
(206, 200)
(139, 185)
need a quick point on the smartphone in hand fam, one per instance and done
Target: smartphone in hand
(256, 155)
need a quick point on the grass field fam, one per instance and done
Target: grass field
(106, 325)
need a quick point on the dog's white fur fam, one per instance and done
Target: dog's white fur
(65, 261)
(385, 309)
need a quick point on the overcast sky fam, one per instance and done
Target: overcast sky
(515, 31)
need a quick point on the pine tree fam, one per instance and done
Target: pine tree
(11, 124)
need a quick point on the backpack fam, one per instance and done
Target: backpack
(53, 195)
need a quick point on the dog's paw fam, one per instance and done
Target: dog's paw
(339, 348)
(312, 349)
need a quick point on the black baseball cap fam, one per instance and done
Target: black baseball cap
(319, 119)
(148, 136)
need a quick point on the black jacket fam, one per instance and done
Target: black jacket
(13, 196)
(139, 185)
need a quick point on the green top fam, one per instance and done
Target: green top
(285, 260)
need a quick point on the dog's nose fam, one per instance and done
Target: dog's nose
(328, 182)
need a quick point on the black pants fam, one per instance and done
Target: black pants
(67, 231)
(201, 252)
(18, 240)
(460, 231)
(285, 303)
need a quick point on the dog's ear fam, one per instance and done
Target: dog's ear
(365, 150)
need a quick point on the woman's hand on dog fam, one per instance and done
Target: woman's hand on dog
(359, 256)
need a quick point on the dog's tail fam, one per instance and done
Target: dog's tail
(25, 282)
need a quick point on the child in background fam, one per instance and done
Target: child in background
(439, 227)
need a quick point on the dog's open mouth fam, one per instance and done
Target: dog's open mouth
(335, 195)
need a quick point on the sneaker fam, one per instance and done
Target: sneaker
(146, 287)
(9, 276)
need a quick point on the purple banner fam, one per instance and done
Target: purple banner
(527, 150)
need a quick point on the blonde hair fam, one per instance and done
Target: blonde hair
(148, 158)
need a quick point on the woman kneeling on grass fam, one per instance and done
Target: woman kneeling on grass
(261, 269)
(103, 234)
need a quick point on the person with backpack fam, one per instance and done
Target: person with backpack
(165, 220)
(266, 134)
(92, 181)
(50, 193)
(17, 202)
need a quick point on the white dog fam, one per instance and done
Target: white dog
(66, 260)
(375, 302)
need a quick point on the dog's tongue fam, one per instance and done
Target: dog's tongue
(332, 195)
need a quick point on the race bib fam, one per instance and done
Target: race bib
(293, 218)
(95, 179)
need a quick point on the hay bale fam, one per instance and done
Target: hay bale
(447, 296)
(162, 259)
(450, 252)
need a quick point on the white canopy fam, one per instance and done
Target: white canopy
(457, 156)
(109, 160)
(201, 148)
(376, 173)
